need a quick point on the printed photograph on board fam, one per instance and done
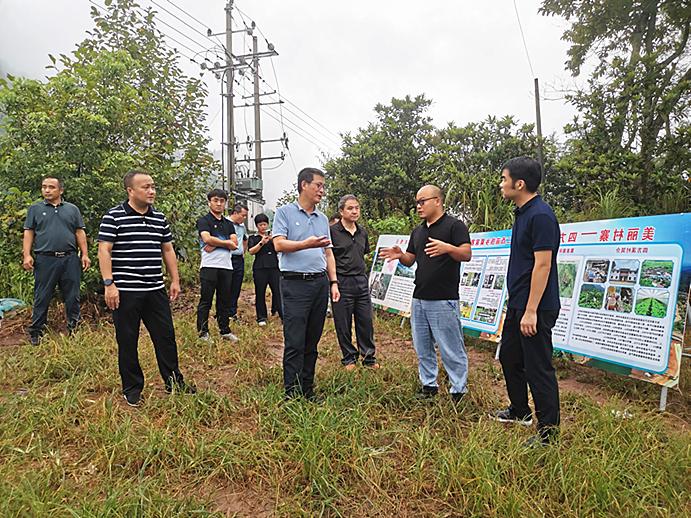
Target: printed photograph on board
(624, 271)
(652, 303)
(656, 274)
(566, 273)
(591, 296)
(619, 299)
(379, 286)
(470, 278)
(596, 270)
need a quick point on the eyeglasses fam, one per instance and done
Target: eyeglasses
(422, 201)
(320, 186)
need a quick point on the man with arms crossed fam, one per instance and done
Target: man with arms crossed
(533, 307)
(438, 246)
(308, 276)
(54, 228)
(132, 240)
(217, 240)
(350, 244)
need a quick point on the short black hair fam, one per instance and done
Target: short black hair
(238, 208)
(217, 193)
(51, 177)
(127, 180)
(526, 169)
(261, 218)
(307, 175)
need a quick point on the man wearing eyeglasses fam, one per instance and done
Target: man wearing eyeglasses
(308, 276)
(438, 246)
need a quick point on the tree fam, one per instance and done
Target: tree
(632, 132)
(119, 101)
(466, 162)
(383, 164)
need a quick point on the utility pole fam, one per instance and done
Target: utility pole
(257, 112)
(229, 97)
(538, 118)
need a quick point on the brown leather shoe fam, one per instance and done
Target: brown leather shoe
(350, 367)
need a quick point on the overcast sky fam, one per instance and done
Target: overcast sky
(337, 60)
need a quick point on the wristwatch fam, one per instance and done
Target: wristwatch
(107, 282)
(333, 282)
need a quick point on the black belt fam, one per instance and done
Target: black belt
(55, 254)
(302, 276)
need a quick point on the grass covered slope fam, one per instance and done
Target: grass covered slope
(69, 446)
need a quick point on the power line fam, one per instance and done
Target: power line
(525, 45)
(295, 127)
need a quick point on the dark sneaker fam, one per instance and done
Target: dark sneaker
(457, 397)
(507, 416)
(316, 399)
(181, 388)
(427, 392)
(34, 340)
(133, 400)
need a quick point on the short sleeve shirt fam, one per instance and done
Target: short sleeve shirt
(349, 249)
(54, 226)
(437, 278)
(222, 228)
(536, 228)
(137, 240)
(296, 224)
(241, 232)
(266, 256)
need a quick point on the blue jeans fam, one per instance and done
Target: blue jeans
(439, 321)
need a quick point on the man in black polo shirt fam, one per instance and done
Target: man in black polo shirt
(350, 244)
(217, 239)
(54, 228)
(533, 305)
(438, 246)
(133, 238)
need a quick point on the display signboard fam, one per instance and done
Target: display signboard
(623, 286)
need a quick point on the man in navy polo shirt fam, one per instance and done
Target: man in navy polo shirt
(308, 275)
(54, 229)
(533, 305)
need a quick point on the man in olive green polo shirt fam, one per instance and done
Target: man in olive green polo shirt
(55, 229)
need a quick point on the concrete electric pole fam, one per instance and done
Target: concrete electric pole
(229, 97)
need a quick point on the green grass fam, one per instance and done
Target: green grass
(70, 447)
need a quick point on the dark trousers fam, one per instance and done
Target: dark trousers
(236, 286)
(527, 361)
(355, 302)
(153, 308)
(304, 312)
(264, 277)
(214, 281)
(49, 271)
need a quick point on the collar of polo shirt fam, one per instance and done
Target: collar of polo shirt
(130, 211)
(526, 205)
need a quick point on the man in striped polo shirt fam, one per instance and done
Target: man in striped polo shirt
(133, 238)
